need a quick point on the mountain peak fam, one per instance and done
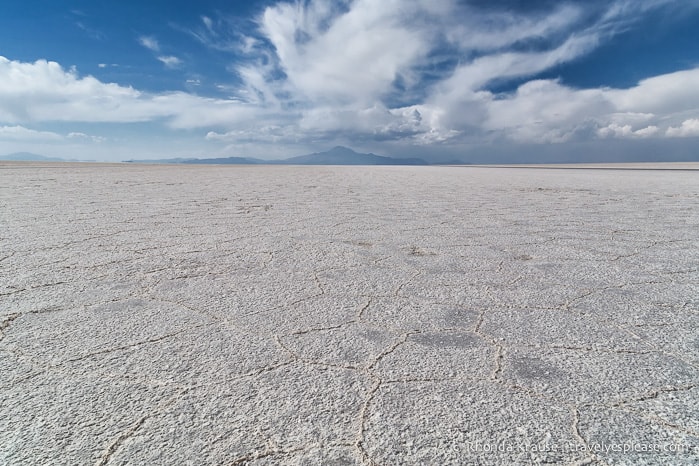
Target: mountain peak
(340, 155)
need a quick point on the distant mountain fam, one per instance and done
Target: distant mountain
(225, 161)
(177, 160)
(230, 160)
(29, 157)
(336, 156)
(343, 156)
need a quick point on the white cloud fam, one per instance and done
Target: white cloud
(647, 132)
(273, 134)
(93, 33)
(44, 91)
(20, 133)
(86, 137)
(221, 33)
(547, 111)
(626, 131)
(494, 30)
(668, 93)
(468, 79)
(343, 52)
(209, 24)
(149, 42)
(329, 55)
(352, 57)
(689, 128)
(415, 72)
(152, 44)
(544, 111)
(632, 118)
(376, 122)
(186, 111)
(170, 61)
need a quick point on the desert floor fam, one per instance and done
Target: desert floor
(348, 315)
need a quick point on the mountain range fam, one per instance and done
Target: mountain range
(336, 156)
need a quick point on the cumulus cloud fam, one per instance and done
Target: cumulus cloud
(20, 133)
(376, 122)
(543, 111)
(346, 65)
(627, 131)
(333, 55)
(418, 72)
(647, 132)
(548, 111)
(45, 91)
(668, 93)
(86, 137)
(688, 128)
(359, 51)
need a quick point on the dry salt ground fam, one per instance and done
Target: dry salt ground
(348, 315)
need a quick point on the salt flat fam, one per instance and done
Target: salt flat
(348, 315)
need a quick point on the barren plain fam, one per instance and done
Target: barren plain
(348, 315)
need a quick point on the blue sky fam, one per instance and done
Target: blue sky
(473, 79)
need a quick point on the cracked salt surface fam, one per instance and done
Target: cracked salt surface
(347, 315)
